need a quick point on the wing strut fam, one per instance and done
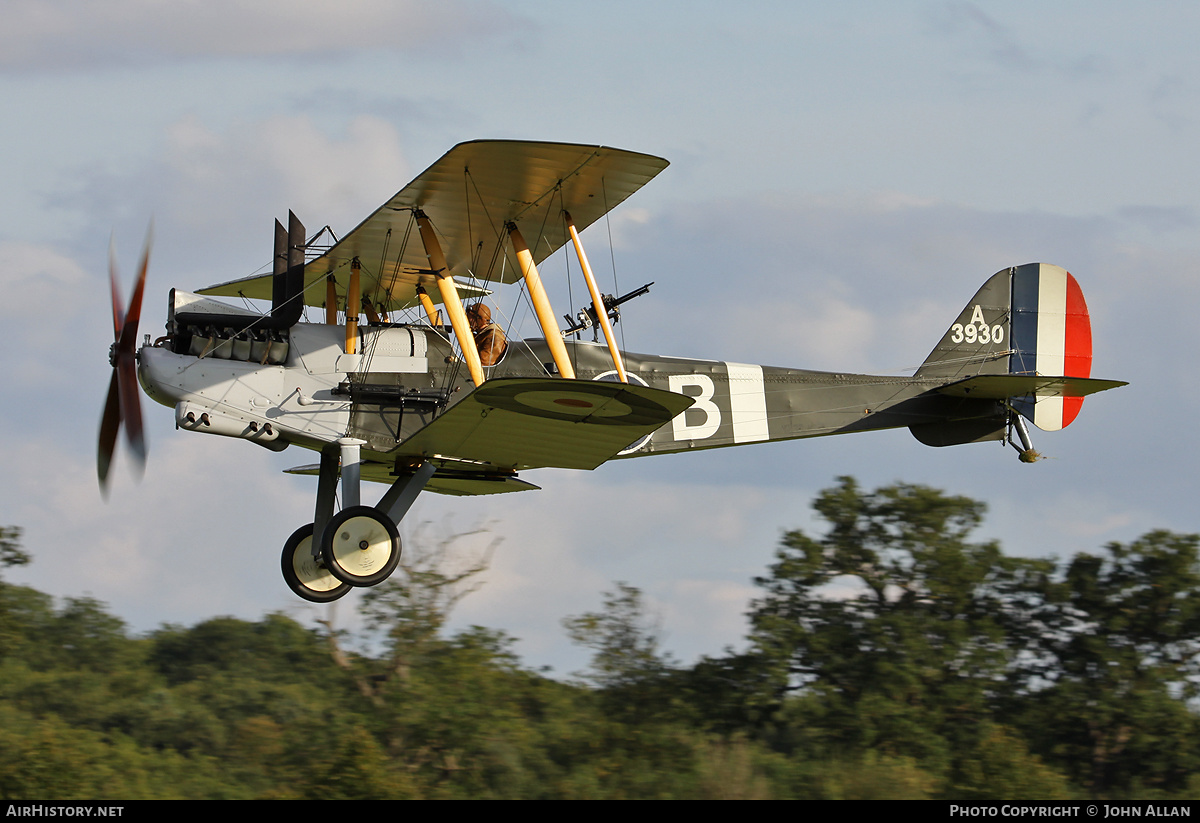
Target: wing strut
(597, 299)
(353, 298)
(435, 317)
(330, 300)
(541, 304)
(454, 307)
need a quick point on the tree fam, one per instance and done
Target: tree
(10, 547)
(411, 608)
(11, 597)
(896, 628)
(1107, 694)
(624, 637)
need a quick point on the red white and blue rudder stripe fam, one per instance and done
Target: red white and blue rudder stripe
(1051, 337)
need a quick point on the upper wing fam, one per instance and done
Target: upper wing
(469, 194)
(532, 422)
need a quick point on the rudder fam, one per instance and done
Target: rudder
(1052, 336)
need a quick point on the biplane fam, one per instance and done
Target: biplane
(406, 381)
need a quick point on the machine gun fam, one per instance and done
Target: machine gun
(587, 319)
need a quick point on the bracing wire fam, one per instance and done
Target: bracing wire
(612, 254)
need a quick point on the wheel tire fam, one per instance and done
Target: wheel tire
(303, 575)
(361, 546)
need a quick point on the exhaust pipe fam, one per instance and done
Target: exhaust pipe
(287, 288)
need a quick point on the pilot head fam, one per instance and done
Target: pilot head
(478, 315)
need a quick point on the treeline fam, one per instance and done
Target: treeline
(889, 657)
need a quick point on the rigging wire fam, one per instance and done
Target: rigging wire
(400, 254)
(488, 217)
(467, 200)
(611, 250)
(387, 241)
(562, 212)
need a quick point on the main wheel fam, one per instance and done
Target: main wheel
(361, 546)
(304, 575)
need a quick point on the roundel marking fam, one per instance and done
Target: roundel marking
(600, 405)
(570, 404)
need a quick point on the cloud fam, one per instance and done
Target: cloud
(40, 274)
(191, 539)
(997, 41)
(855, 281)
(823, 332)
(229, 178)
(1160, 219)
(60, 34)
(981, 35)
(213, 192)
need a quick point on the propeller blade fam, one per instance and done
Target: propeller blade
(127, 339)
(131, 406)
(135, 302)
(123, 405)
(110, 427)
(117, 304)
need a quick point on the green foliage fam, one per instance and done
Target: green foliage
(894, 620)
(869, 776)
(624, 637)
(1118, 667)
(12, 598)
(358, 769)
(23, 612)
(11, 553)
(272, 649)
(1000, 765)
(411, 608)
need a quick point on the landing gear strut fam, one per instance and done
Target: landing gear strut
(360, 545)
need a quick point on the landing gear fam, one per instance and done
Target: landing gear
(304, 575)
(358, 546)
(361, 546)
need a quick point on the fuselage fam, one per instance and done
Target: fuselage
(306, 390)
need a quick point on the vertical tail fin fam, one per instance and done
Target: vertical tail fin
(1027, 320)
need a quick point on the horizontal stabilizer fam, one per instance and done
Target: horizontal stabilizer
(521, 422)
(1006, 386)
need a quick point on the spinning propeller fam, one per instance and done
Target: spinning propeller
(123, 404)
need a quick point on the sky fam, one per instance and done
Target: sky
(843, 178)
